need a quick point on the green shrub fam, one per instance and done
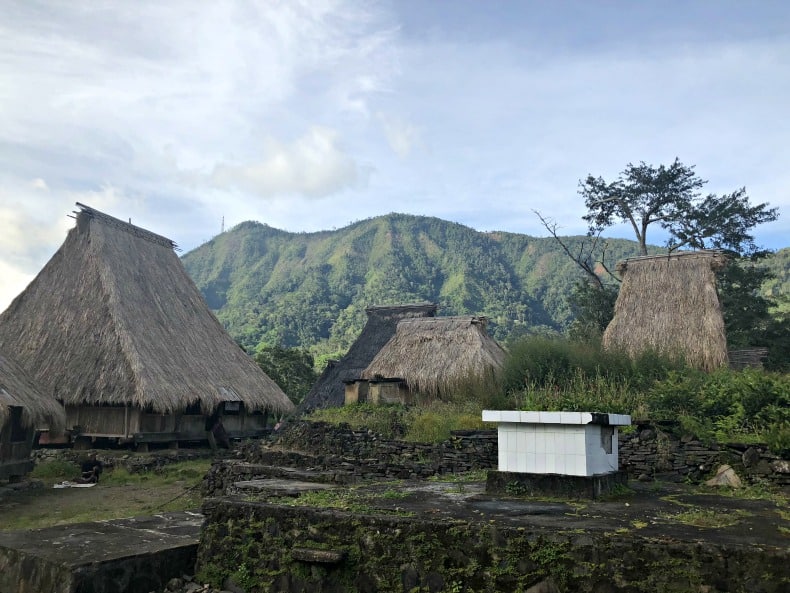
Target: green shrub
(387, 420)
(725, 405)
(57, 470)
(777, 437)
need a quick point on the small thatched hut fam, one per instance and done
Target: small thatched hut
(115, 329)
(22, 409)
(432, 357)
(329, 390)
(669, 304)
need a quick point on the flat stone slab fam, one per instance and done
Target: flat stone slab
(278, 487)
(134, 555)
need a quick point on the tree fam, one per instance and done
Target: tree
(671, 198)
(290, 368)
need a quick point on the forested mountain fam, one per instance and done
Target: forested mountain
(311, 289)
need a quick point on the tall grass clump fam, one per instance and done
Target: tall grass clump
(435, 422)
(544, 363)
(386, 420)
(429, 422)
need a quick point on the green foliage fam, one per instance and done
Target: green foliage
(434, 423)
(310, 290)
(593, 309)
(387, 421)
(290, 368)
(428, 423)
(749, 405)
(726, 405)
(670, 197)
(557, 364)
(56, 469)
(777, 437)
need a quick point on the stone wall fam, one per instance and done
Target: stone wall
(131, 461)
(647, 452)
(653, 451)
(254, 546)
(374, 456)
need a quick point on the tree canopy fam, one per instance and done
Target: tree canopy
(671, 197)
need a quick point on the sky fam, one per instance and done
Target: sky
(307, 115)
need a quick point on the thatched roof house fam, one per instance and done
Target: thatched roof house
(329, 390)
(22, 409)
(669, 303)
(114, 321)
(432, 356)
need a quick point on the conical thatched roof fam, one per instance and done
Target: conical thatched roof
(434, 355)
(18, 389)
(669, 303)
(329, 390)
(113, 318)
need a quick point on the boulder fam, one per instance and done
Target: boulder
(725, 476)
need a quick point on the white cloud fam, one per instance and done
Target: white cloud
(313, 165)
(39, 184)
(179, 113)
(401, 135)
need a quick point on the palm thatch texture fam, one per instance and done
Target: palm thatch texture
(434, 355)
(114, 319)
(669, 304)
(18, 389)
(329, 389)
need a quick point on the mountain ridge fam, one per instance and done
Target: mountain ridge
(272, 286)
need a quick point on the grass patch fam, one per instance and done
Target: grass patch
(56, 470)
(476, 475)
(349, 499)
(430, 422)
(189, 471)
(709, 518)
(119, 494)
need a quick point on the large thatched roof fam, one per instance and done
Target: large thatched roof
(669, 303)
(329, 390)
(18, 389)
(113, 318)
(434, 355)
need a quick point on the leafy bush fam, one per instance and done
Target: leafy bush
(56, 469)
(725, 405)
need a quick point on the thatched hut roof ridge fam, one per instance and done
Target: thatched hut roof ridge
(114, 319)
(403, 308)
(127, 227)
(433, 355)
(328, 390)
(669, 304)
(18, 389)
(717, 257)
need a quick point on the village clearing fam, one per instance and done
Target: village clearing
(119, 494)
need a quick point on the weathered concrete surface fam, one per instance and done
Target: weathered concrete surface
(277, 487)
(394, 537)
(135, 555)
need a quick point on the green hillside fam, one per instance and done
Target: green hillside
(311, 289)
